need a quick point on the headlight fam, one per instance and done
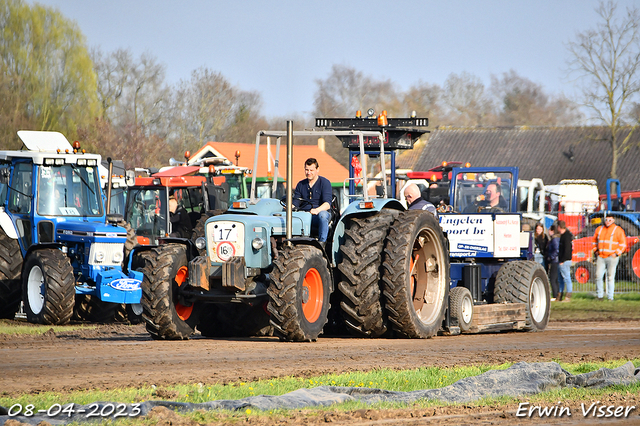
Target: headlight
(257, 243)
(201, 243)
(99, 256)
(117, 257)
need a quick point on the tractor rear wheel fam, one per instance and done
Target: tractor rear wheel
(165, 315)
(461, 307)
(416, 274)
(10, 267)
(525, 281)
(361, 273)
(48, 287)
(299, 293)
(634, 263)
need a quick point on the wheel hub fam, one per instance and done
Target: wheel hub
(305, 294)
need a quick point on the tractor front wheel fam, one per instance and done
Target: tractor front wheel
(48, 287)
(167, 317)
(299, 293)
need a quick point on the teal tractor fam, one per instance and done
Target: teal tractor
(62, 252)
(264, 268)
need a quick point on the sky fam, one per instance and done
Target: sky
(281, 48)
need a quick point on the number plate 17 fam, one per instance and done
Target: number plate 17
(225, 231)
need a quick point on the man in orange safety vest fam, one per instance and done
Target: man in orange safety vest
(610, 243)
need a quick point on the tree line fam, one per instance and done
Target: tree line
(121, 106)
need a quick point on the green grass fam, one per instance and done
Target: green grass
(12, 327)
(406, 380)
(585, 306)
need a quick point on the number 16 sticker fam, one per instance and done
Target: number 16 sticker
(225, 251)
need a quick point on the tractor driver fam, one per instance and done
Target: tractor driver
(494, 201)
(313, 194)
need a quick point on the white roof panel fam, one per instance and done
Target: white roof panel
(44, 141)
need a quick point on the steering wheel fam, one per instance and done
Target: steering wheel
(283, 203)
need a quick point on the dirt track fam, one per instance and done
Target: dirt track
(116, 356)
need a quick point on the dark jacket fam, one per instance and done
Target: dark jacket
(422, 204)
(553, 248)
(181, 226)
(566, 246)
(541, 243)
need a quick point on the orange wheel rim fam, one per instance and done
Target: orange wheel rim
(635, 263)
(582, 275)
(312, 295)
(412, 278)
(184, 312)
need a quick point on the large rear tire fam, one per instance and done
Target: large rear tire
(361, 273)
(48, 287)
(299, 293)
(525, 281)
(416, 275)
(166, 317)
(10, 267)
(634, 263)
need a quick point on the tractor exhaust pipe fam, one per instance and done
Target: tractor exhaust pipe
(109, 182)
(289, 179)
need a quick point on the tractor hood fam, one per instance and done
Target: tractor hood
(90, 232)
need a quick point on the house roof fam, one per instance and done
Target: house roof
(329, 167)
(549, 153)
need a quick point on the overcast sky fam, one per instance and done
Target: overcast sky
(280, 48)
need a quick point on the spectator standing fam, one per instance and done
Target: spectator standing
(541, 241)
(565, 251)
(610, 242)
(551, 257)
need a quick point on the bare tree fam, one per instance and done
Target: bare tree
(426, 100)
(346, 91)
(132, 92)
(466, 99)
(607, 61)
(522, 102)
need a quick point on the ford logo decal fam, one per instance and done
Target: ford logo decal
(125, 284)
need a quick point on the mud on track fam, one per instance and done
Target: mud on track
(114, 356)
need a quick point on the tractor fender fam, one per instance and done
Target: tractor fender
(354, 210)
(40, 246)
(7, 225)
(307, 241)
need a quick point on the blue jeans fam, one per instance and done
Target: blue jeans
(608, 265)
(564, 277)
(321, 220)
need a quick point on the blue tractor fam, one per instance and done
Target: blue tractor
(61, 253)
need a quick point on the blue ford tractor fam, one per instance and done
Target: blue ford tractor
(61, 253)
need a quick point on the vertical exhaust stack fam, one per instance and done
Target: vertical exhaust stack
(289, 179)
(109, 182)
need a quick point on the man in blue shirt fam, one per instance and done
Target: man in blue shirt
(317, 190)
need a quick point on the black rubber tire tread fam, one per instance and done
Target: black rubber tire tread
(158, 287)
(631, 276)
(361, 272)
(131, 242)
(10, 268)
(91, 308)
(59, 294)
(285, 304)
(456, 302)
(513, 285)
(397, 257)
(591, 267)
(198, 229)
